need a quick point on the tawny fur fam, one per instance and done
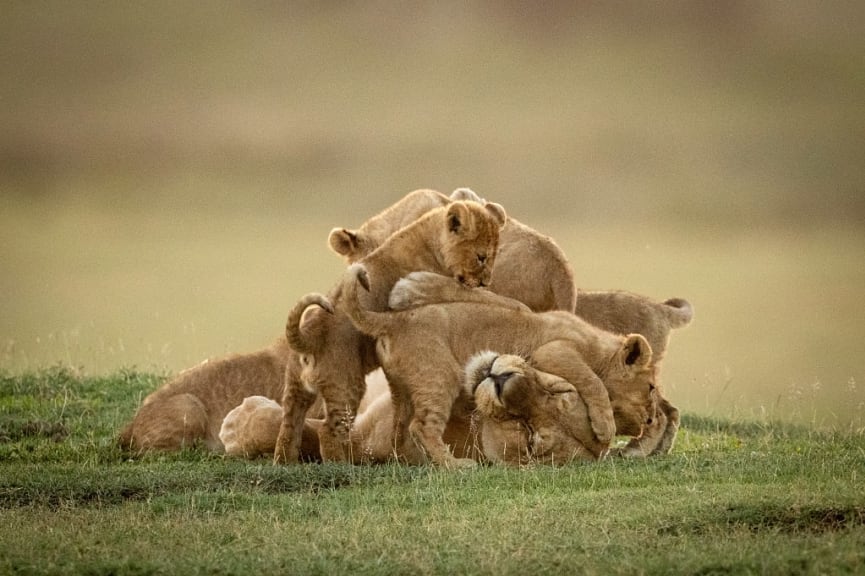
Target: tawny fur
(532, 416)
(189, 409)
(515, 415)
(422, 350)
(615, 311)
(624, 312)
(459, 239)
(250, 430)
(530, 266)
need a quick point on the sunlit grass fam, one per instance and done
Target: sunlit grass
(734, 495)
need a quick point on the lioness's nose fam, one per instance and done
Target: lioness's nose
(499, 381)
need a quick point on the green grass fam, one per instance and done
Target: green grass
(735, 496)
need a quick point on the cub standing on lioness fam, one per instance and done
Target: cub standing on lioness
(332, 356)
(530, 267)
(422, 351)
(618, 312)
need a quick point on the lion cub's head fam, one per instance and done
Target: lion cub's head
(630, 382)
(469, 241)
(526, 415)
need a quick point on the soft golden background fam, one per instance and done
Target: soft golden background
(170, 171)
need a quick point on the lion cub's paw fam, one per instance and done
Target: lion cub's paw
(604, 427)
(419, 289)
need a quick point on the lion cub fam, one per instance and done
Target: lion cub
(189, 408)
(530, 266)
(624, 312)
(332, 356)
(422, 351)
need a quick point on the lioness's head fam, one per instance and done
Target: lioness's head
(526, 415)
(470, 239)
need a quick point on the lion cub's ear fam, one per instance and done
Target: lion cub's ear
(498, 212)
(343, 241)
(635, 351)
(457, 214)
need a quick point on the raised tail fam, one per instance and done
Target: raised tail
(375, 324)
(679, 312)
(306, 339)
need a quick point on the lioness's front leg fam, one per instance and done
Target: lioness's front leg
(560, 357)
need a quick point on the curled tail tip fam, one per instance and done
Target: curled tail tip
(359, 273)
(324, 302)
(681, 311)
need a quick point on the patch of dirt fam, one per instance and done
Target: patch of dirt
(795, 519)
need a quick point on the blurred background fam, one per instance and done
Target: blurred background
(170, 171)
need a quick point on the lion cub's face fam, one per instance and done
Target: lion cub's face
(526, 415)
(630, 381)
(471, 241)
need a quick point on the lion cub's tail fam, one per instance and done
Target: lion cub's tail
(375, 324)
(678, 311)
(306, 339)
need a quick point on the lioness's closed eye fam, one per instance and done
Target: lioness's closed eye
(526, 415)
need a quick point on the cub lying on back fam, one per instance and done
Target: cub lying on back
(460, 239)
(530, 267)
(423, 349)
(519, 415)
(189, 409)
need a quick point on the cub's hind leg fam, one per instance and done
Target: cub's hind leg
(432, 402)
(170, 423)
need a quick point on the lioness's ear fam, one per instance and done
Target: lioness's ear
(342, 241)
(636, 351)
(456, 216)
(498, 212)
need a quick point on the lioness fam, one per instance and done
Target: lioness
(460, 240)
(519, 415)
(422, 349)
(189, 408)
(532, 416)
(530, 267)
